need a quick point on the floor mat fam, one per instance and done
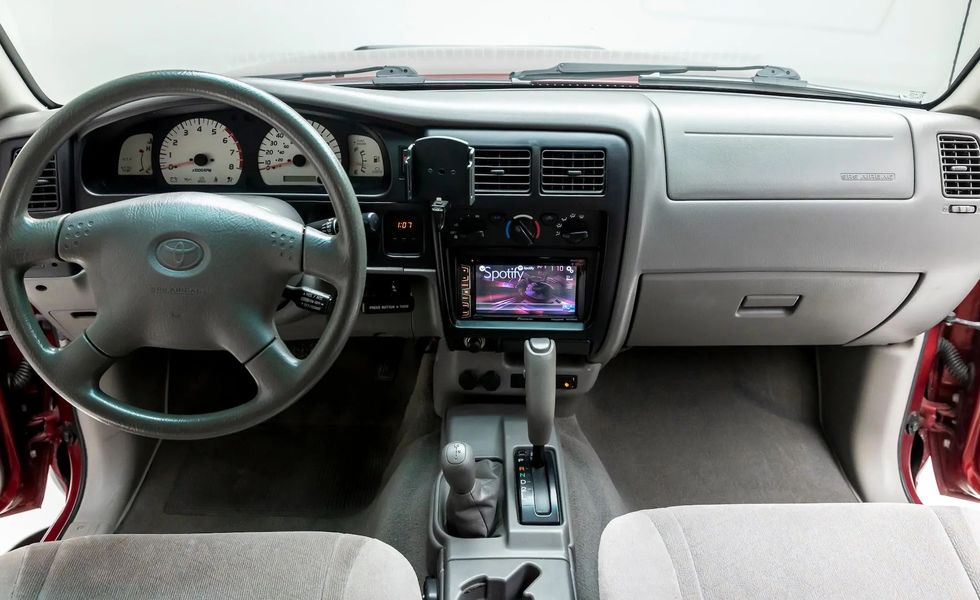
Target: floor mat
(712, 426)
(335, 461)
(325, 472)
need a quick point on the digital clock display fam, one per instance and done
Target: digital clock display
(403, 233)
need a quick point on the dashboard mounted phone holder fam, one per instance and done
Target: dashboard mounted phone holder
(441, 168)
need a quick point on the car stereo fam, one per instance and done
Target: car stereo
(537, 290)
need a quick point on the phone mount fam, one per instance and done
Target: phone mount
(440, 169)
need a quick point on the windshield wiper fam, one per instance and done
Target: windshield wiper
(764, 73)
(386, 74)
(651, 75)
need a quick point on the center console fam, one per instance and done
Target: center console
(527, 232)
(528, 229)
(500, 523)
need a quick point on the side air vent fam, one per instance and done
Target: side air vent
(573, 172)
(502, 170)
(960, 159)
(45, 198)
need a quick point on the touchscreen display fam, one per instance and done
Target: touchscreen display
(526, 290)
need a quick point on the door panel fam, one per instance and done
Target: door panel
(946, 416)
(31, 431)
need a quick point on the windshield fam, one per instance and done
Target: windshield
(908, 49)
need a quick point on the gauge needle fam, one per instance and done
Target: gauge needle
(288, 161)
(181, 164)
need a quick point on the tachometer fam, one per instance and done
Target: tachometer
(201, 152)
(282, 163)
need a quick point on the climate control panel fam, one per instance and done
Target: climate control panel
(525, 229)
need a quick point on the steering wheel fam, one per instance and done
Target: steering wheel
(180, 270)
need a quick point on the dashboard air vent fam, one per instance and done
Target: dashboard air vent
(573, 172)
(959, 156)
(502, 170)
(45, 198)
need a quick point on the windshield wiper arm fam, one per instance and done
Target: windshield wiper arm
(592, 70)
(387, 74)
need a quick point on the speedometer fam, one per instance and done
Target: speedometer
(281, 162)
(201, 152)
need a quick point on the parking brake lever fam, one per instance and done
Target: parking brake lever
(540, 365)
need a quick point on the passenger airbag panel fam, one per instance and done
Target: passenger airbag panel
(786, 150)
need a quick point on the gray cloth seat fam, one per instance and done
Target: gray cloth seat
(307, 565)
(792, 551)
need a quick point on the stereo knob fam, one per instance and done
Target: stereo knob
(524, 229)
(575, 230)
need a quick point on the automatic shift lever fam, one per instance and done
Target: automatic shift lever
(540, 360)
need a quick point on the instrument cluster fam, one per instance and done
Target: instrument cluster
(225, 149)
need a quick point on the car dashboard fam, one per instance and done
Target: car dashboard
(602, 218)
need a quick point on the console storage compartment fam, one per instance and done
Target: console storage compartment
(508, 579)
(794, 308)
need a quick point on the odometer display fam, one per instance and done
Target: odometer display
(201, 151)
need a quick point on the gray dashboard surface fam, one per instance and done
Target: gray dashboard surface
(793, 231)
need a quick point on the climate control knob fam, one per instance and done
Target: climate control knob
(574, 230)
(523, 229)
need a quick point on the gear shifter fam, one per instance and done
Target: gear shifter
(471, 508)
(536, 468)
(540, 360)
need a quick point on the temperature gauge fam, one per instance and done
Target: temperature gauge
(366, 159)
(134, 155)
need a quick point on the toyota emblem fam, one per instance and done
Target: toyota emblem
(179, 254)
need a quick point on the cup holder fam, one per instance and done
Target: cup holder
(511, 587)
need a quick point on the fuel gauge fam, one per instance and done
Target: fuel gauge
(134, 155)
(366, 159)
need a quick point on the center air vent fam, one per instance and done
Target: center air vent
(960, 159)
(44, 198)
(573, 172)
(502, 170)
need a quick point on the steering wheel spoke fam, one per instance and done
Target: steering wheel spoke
(32, 241)
(80, 365)
(271, 367)
(325, 256)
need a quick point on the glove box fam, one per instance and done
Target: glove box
(790, 308)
